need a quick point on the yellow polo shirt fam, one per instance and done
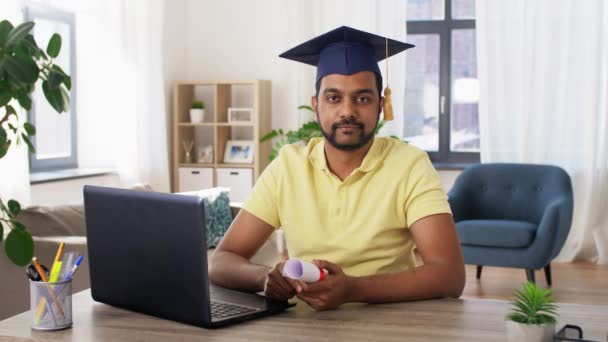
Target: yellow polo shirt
(360, 223)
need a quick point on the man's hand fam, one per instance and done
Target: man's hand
(329, 293)
(278, 287)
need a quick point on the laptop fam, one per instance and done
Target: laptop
(147, 253)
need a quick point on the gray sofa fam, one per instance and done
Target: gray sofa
(51, 225)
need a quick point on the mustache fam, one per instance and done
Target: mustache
(346, 122)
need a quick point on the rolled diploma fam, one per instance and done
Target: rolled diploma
(301, 270)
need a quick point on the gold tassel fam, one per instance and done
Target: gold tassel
(387, 106)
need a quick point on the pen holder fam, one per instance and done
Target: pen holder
(51, 305)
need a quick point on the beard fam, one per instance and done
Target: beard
(363, 138)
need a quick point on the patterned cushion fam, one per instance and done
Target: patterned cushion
(217, 217)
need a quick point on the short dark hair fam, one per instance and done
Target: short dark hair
(378, 85)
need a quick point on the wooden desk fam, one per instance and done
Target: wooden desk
(435, 320)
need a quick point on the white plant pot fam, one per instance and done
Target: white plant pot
(197, 115)
(518, 332)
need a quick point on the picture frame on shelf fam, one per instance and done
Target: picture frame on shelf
(205, 155)
(240, 115)
(239, 151)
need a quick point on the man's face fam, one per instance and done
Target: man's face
(348, 108)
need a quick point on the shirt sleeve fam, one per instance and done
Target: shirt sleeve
(262, 202)
(426, 195)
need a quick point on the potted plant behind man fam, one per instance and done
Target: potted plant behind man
(197, 111)
(533, 316)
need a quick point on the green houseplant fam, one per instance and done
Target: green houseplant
(22, 64)
(307, 131)
(533, 315)
(197, 111)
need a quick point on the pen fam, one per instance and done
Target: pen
(73, 270)
(45, 279)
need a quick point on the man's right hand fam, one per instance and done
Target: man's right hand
(278, 287)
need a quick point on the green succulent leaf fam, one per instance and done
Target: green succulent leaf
(14, 207)
(533, 305)
(19, 33)
(5, 28)
(29, 128)
(54, 46)
(19, 247)
(21, 69)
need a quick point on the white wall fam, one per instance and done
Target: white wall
(240, 39)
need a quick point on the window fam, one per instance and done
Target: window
(442, 91)
(55, 139)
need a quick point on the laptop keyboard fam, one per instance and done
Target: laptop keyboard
(221, 309)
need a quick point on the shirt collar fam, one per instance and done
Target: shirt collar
(371, 160)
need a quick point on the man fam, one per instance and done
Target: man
(352, 204)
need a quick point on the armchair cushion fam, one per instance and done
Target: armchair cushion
(496, 233)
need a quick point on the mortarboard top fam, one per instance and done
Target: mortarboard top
(345, 51)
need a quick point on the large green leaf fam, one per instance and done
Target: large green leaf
(24, 100)
(5, 93)
(57, 97)
(19, 247)
(67, 80)
(54, 45)
(55, 79)
(31, 44)
(19, 33)
(66, 99)
(29, 128)
(21, 69)
(14, 207)
(1, 232)
(30, 146)
(4, 148)
(5, 28)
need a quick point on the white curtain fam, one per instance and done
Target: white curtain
(311, 18)
(144, 157)
(543, 72)
(122, 112)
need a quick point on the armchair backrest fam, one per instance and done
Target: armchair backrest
(508, 191)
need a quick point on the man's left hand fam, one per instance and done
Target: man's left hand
(329, 293)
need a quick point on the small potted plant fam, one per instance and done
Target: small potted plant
(197, 111)
(533, 316)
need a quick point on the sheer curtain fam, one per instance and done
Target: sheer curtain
(385, 18)
(543, 71)
(122, 113)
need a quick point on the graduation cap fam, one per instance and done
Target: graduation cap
(346, 51)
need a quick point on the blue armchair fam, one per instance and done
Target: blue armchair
(512, 215)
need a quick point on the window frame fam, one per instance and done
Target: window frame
(444, 28)
(31, 13)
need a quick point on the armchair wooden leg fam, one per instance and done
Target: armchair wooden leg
(548, 274)
(530, 275)
(479, 271)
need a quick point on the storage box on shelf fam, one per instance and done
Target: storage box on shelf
(216, 130)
